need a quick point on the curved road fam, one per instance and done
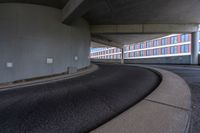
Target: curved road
(75, 105)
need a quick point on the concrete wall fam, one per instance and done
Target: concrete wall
(29, 34)
(163, 60)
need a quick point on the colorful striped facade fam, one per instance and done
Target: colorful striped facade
(172, 45)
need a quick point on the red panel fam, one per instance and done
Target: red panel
(179, 38)
(169, 50)
(151, 43)
(144, 52)
(159, 51)
(190, 36)
(145, 44)
(151, 52)
(159, 42)
(168, 40)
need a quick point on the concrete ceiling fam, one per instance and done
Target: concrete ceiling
(144, 11)
(134, 38)
(97, 45)
(123, 12)
(52, 3)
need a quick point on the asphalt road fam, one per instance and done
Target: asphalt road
(75, 105)
(191, 74)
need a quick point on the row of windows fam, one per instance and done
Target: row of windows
(116, 50)
(164, 41)
(159, 51)
(164, 51)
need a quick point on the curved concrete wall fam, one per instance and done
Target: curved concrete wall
(29, 34)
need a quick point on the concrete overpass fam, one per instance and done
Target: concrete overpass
(39, 38)
(54, 36)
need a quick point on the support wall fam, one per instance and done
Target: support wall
(32, 33)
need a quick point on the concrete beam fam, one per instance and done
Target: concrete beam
(105, 41)
(74, 9)
(143, 28)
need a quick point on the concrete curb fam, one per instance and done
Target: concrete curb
(88, 70)
(166, 110)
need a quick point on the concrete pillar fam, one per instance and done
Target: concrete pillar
(122, 57)
(194, 48)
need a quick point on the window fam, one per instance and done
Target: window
(185, 48)
(141, 53)
(164, 51)
(164, 41)
(131, 54)
(199, 35)
(141, 45)
(199, 47)
(136, 46)
(148, 52)
(155, 51)
(174, 50)
(155, 43)
(132, 47)
(136, 54)
(148, 44)
(173, 40)
(184, 37)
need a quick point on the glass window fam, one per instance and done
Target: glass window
(199, 35)
(163, 51)
(141, 45)
(132, 47)
(148, 44)
(184, 37)
(174, 50)
(136, 46)
(148, 52)
(136, 54)
(185, 48)
(199, 47)
(164, 41)
(141, 53)
(173, 40)
(155, 43)
(155, 51)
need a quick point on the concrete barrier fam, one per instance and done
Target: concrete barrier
(166, 110)
(25, 83)
(160, 60)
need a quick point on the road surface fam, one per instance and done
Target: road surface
(75, 105)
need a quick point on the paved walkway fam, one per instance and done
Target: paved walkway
(75, 105)
(191, 74)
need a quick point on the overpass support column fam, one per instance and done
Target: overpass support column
(122, 55)
(195, 48)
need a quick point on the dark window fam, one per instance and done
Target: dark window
(148, 44)
(173, 40)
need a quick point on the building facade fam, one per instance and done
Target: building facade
(168, 46)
